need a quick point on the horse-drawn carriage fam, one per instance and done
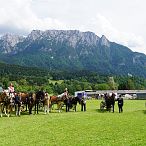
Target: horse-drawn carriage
(108, 102)
(102, 105)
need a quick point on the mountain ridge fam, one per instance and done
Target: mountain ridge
(72, 50)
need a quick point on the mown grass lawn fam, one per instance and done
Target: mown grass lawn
(90, 128)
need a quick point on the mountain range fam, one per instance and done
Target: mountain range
(71, 50)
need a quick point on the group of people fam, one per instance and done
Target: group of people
(108, 101)
(16, 96)
(11, 91)
(82, 101)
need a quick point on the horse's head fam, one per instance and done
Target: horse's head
(3, 95)
(6, 92)
(78, 99)
(40, 95)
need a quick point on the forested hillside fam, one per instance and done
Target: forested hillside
(28, 79)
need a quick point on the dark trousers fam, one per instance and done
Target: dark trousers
(17, 108)
(83, 106)
(120, 108)
(67, 107)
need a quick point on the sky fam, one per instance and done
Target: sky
(121, 21)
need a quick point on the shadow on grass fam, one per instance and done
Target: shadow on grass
(144, 111)
(101, 111)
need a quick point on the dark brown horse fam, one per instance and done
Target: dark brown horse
(31, 101)
(110, 101)
(72, 102)
(39, 98)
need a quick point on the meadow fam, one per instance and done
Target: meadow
(90, 128)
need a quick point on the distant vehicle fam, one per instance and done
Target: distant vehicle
(81, 94)
(1, 89)
(128, 96)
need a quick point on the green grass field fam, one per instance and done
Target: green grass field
(90, 128)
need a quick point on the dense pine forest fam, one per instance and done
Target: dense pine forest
(28, 79)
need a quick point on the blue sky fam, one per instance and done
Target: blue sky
(121, 21)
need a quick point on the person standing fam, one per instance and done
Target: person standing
(66, 99)
(120, 103)
(83, 102)
(17, 104)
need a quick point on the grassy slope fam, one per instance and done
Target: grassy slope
(55, 81)
(78, 129)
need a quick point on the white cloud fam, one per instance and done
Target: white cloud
(22, 16)
(101, 25)
(18, 14)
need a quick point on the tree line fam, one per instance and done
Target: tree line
(54, 82)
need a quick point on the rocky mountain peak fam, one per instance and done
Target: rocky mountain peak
(35, 34)
(104, 41)
(72, 37)
(90, 38)
(8, 42)
(11, 40)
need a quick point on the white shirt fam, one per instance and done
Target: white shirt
(11, 89)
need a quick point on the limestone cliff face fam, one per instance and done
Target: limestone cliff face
(104, 41)
(72, 38)
(8, 42)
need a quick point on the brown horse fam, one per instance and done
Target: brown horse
(24, 99)
(3, 95)
(6, 103)
(28, 100)
(31, 101)
(57, 100)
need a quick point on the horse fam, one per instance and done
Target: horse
(3, 95)
(24, 99)
(8, 102)
(39, 98)
(31, 101)
(27, 99)
(71, 103)
(59, 100)
(19, 107)
(46, 103)
(110, 101)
